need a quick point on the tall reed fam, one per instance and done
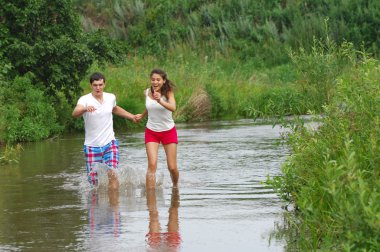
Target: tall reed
(257, 29)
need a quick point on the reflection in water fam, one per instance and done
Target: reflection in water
(104, 215)
(287, 229)
(156, 239)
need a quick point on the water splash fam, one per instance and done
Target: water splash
(127, 177)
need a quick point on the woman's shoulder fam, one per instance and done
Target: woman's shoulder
(170, 93)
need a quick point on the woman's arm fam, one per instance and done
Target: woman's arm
(170, 104)
(138, 117)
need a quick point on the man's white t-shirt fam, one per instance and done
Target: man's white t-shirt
(98, 124)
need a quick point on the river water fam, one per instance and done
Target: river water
(46, 203)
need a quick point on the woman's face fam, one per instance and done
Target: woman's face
(156, 81)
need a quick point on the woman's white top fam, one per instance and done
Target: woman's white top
(159, 118)
(98, 124)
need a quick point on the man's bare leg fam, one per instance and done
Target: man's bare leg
(113, 182)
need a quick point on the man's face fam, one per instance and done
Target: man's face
(97, 87)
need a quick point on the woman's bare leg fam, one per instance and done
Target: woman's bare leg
(151, 152)
(171, 158)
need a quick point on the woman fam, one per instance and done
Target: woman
(160, 127)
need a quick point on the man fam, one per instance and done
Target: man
(100, 145)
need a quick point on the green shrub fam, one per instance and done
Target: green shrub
(319, 69)
(332, 174)
(26, 113)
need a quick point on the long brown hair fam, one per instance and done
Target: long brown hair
(168, 84)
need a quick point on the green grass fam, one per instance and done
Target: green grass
(233, 89)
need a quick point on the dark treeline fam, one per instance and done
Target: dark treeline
(254, 29)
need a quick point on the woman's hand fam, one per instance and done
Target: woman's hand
(157, 96)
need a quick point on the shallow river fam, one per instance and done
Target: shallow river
(221, 205)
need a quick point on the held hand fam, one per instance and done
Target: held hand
(90, 109)
(137, 118)
(134, 119)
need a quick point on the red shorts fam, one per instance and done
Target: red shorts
(164, 137)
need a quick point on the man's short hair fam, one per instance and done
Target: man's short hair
(97, 76)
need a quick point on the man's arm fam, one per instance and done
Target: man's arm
(78, 111)
(123, 113)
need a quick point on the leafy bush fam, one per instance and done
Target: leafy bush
(45, 38)
(319, 68)
(26, 114)
(332, 174)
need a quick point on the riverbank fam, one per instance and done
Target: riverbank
(331, 176)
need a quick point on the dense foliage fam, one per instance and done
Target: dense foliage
(332, 174)
(44, 38)
(45, 55)
(28, 113)
(253, 29)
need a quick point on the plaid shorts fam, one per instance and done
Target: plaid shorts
(108, 154)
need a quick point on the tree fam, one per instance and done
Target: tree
(44, 37)
(45, 55)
